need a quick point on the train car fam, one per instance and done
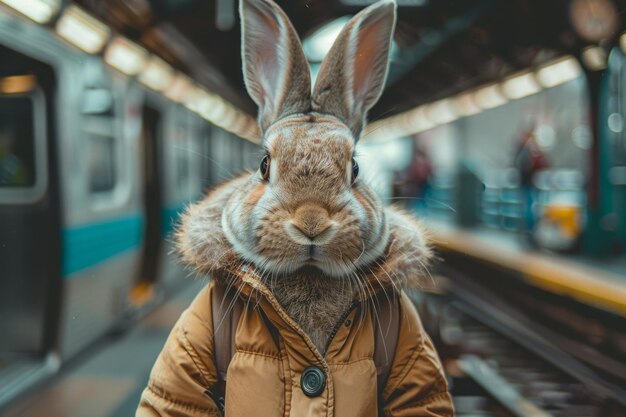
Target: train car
(98, 169)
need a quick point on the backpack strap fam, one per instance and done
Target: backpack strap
(387, 327)
(226, 311)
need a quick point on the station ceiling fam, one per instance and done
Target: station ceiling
(444, 46)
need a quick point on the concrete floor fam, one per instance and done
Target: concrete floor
(107, 381)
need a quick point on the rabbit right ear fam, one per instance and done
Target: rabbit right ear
(352, 75)
(275, 69)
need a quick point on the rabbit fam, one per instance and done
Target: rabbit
(309, 248)
(311, 227)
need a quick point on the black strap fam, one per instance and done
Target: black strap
(387, 326)
(226, 311)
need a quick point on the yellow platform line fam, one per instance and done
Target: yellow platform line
(585, 283)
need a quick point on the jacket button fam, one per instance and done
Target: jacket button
(313, 381)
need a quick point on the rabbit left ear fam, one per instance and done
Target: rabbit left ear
(352, 76)
(275, 69)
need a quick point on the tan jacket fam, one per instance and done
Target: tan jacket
(264, 377)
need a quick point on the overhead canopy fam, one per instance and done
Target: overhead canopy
(443, 46)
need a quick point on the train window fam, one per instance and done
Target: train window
(17, 142)
(101, 162)
(103, 146)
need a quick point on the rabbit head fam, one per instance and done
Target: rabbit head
(307, 206)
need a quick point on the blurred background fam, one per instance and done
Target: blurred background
(501, 126)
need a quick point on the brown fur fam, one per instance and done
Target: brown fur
(314, 301)
(315, 236)
(364, 69)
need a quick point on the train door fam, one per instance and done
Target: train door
(151, 143)
(29, 215)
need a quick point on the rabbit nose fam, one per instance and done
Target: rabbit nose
(311, 221)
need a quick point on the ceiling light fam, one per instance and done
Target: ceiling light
(385, 128)
(157, 74)
(521, 85)
(193, 98)
(179, 88)
(594, 58)
(211, 107)
(441, 112)
(418, 121)
(82, 30)
(558, 72)
(229, 114)
(126, 56)
(489, 97)
(41, 11)
(466, 105)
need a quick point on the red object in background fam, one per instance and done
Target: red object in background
(420, 169)
(529, 158)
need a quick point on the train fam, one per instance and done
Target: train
(96, 169)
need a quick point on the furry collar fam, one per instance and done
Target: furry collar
(313, 301)
(204, 247)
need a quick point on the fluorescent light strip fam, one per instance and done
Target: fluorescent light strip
(157, 75)
(558, 72)
(179, 88)
(126, 56)
(90, 35)
(442, 111)
(217, 111)
(520, 85)
(211, 107)
(193, 98)
(82, 30)
(41, 11)
(466, 105)
(427, 116)
(489, 97)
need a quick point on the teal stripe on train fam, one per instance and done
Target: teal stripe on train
(170, 216)
(87, 245)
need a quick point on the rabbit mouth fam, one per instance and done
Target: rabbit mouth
(314, 254)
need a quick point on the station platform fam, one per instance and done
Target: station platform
(598, 283)
(107, 379)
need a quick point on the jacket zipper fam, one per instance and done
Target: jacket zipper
(342, 319)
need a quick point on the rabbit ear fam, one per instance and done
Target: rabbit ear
(276, 72)
(352, 76)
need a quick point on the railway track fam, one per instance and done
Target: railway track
(503, 361)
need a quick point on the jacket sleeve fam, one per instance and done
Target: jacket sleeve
(184, 370)
(416, 386)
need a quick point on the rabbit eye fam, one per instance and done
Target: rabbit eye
(265, 167)
(355, 170)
